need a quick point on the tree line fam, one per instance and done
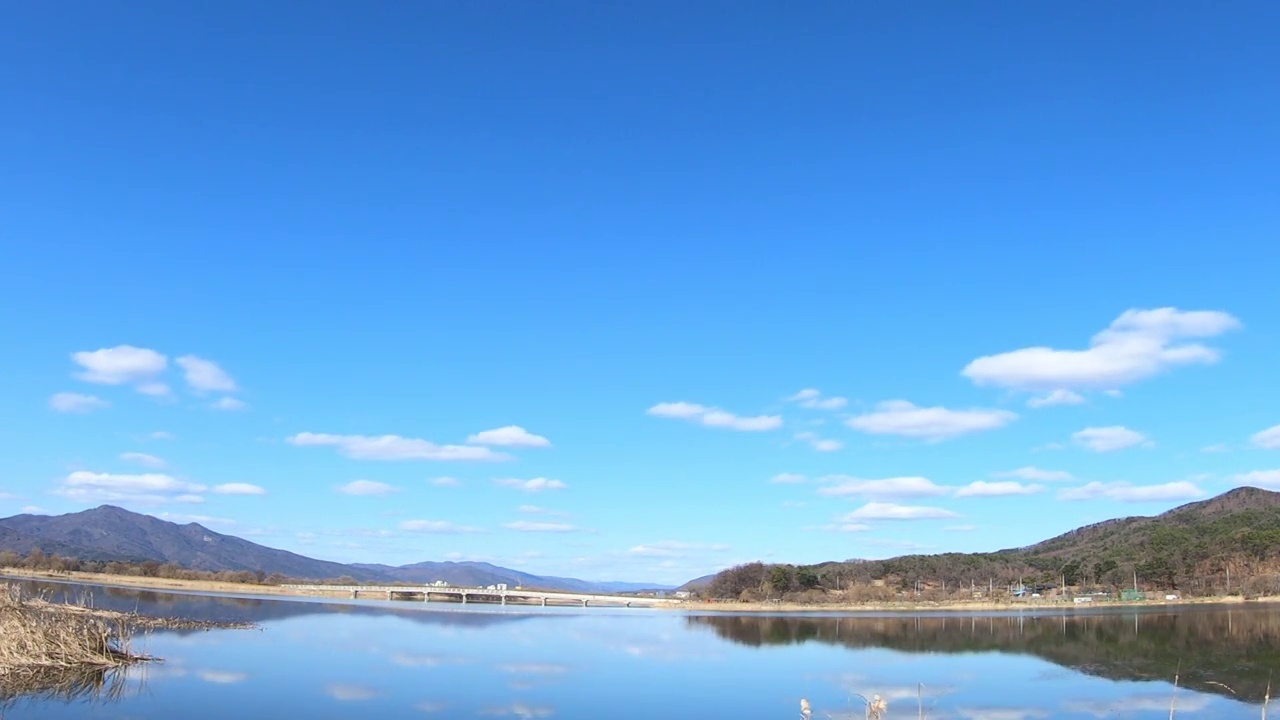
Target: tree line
(1230, 553)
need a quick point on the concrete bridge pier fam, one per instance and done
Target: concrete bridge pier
(355, 594)
(388, 594)
(504, 598)
(464, 598)
(544, 601)
(584, 602)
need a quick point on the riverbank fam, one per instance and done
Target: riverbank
(961, 606)
(153, 583)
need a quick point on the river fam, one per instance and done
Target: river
(315, 659)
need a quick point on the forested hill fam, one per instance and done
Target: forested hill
(107, 539)
(1196, 548)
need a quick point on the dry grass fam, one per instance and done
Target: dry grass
(65, 650)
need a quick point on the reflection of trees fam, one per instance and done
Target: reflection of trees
(1238, 648)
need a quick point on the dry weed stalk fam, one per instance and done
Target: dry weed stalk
(37, 637)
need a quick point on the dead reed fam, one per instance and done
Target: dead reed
(65, 644)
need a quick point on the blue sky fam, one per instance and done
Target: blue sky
(963, 276)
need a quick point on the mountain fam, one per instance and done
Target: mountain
(697, 584)
(482, 573)
(110, 533)
(1203, 546)
(1222, 514)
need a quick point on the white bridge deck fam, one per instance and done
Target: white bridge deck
(485, 595)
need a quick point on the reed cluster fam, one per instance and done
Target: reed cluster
(39, 637)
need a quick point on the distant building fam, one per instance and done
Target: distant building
(682, 594)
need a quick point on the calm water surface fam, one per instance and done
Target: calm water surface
(383, 660)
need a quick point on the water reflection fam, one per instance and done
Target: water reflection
(235, 609)
(1231, 652)
(63, 685)
(338, 659)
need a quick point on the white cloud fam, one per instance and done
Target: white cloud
(1269, 479)
(960, 528)
(548, 527)
(206, 375)
(675, 549)
(714, 417)
(818, 443)
(446, 482)
(1055, 398)
(394, 447)
(812, 398)
(230, 404)
(222, 678)
(1001, 713)
(787, 479)
(349, 693)
(147, 488)
(509, 436)
(1128, 706)
(1218, 448)
(69, 402)
(997, 489)
(143, 459)
(899, 417)
(1110, 439)
(122, 365)
(537, 484)
(1137, 345)
(896, 487)
(1269, 438)
(34, 510)
(437, 526)
(239, 489)
(1126, 492)
(367, 487)
(893, 511)
(160, 435)
(520, 710)
(1037, 475)
(844, 527)
(534, 668)
(155, 389)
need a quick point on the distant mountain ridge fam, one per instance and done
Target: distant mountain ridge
(109, 533)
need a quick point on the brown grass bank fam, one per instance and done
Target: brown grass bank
(66, 650)
(45, 646)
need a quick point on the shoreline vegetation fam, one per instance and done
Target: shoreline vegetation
(693, 605)
(70, 650)
(59, 650)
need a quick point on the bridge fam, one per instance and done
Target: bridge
(487, 595)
